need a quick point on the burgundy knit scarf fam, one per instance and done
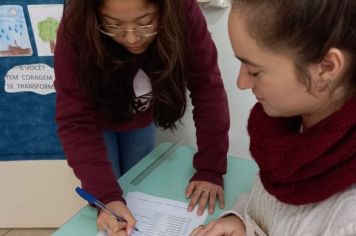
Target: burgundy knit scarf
(299, 168)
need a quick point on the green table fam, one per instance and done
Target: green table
(168, 180)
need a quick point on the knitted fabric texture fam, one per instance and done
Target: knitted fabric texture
(300, 168)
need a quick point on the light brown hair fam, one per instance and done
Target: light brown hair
(305, 28)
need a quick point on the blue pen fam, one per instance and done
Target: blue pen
(91, 199)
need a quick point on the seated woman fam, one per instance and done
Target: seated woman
(298, 58)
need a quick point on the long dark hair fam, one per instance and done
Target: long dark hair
(106, 70)
(305, 28)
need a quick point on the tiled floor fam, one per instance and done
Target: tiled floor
(26, 232)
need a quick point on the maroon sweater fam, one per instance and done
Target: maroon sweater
(81, 132)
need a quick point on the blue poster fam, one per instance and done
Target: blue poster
(27, 97)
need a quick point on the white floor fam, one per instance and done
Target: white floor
(26, 232)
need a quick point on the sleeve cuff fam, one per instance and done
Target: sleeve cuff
(116, 197)
(227, 213)
(208, 176)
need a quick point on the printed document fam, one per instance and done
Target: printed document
(158, 216)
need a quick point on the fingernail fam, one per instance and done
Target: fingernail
(189, 208)
(129, 232)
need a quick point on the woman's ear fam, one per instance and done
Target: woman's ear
(332, 65)
(329, 70)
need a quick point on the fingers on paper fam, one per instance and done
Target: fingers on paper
(115, 226)
(190, 189)
(193, 200)
(131, 222)
(197, 230)
(198, 192)
(212, 199)
(111, 225)
(207, 230)
(203, 200)
(221, 197)
(108, 223)
(119, 233)
(205, 193)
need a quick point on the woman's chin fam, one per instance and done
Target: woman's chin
(271, 112)
(136, 50)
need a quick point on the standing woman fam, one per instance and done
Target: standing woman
(122, 67)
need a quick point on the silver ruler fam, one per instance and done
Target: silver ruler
(148, 170)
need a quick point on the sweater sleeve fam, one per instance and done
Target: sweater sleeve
(210, 113)
(342, 219)
(239, 207)
(80, 134)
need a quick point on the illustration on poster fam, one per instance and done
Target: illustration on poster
(14, 37)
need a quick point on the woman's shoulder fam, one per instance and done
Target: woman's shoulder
(341, 219)
(331, 217)
(335, 216)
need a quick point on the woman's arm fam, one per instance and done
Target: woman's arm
(210, 113)
(78, 127)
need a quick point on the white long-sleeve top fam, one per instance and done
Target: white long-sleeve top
(335, 216)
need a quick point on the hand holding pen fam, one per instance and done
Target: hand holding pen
(106, 216)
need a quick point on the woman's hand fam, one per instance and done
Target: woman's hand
(107, 222)
(206, 193)
(228, 226)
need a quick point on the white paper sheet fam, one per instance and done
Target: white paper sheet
(160, 216)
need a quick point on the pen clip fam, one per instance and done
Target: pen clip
(91, 199)
(87, 196)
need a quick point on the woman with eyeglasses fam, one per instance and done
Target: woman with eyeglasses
(122, 68)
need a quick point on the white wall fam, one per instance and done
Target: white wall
(240, 102)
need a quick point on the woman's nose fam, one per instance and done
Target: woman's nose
(244, 80)
(131, 37)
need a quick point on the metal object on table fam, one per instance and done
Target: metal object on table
(150, 168)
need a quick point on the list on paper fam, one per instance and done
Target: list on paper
(158, 216)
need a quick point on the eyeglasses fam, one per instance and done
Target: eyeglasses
(117, 31)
